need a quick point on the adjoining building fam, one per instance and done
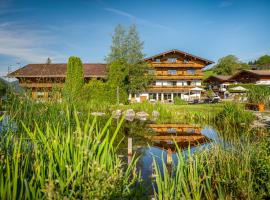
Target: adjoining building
(218, 83)
(41, 79)
(177, 73)
(259, 77)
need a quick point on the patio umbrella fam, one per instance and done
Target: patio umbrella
(239, 88)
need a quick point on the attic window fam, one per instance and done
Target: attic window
(171, 59)
(186, 61)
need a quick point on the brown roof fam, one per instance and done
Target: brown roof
(255, 72)
(219, 77)
(58, 70)
(180, 52)
(259, 72)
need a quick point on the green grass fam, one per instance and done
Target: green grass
(208, 73)
(60, 152)
(78, 163)
(240, 172)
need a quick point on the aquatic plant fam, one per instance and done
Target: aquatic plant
(258, 94)
(179, 101)
(79, 163)
(238, 171)
(233, 114)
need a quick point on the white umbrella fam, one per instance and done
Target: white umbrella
(239, 88)
(196, 89)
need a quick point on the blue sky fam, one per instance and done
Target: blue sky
(32, 30)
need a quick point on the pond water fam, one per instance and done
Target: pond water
(158, 142)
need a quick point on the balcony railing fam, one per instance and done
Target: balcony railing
(41, 85)
(174, 88)
(178, 77)
(175, 64)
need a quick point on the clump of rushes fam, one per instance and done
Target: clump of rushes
(239, 172)
(79, 163)
(232, 115)
(258, 94)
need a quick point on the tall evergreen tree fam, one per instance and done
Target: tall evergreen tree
(119, 46)
(74, 78)
(135, 46)
(127, 47)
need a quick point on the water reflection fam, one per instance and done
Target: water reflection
(158, 141)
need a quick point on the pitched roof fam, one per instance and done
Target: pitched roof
(255, 72)
(219, 77)
(180, 52)
(58, 70)
(259, 72)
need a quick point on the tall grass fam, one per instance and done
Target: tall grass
(259, 95)
(233, 115)
(239, 172)
(79, 163)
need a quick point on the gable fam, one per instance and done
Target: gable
(180, 56)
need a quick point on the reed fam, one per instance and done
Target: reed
(79, 163)
(233, 171)
(233, 115)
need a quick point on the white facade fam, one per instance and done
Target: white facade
(168, 96)
(263, 82)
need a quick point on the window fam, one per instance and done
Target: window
(157, 60)
(152, 71)
(167, 96)
(186, 61)
(171, 59)
(191, 71)
(172, 72)
(154, 83)
(188, 82)
(152, 95)
(171, 83)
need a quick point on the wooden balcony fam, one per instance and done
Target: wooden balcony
(179, 77)
(170, 88)
(184, 65)
(41, 85)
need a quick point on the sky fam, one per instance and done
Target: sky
(33, 30)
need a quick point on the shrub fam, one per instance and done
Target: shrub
(258, 94)
(233, 114)
(179, 101)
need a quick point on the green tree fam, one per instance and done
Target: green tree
(119, 45)
(263, 62)
(228, 65)
(74, 78)
(126, 60)
(135, 46)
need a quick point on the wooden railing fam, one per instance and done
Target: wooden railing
(178, 77)
(41, 85)
(168, 64)
(174, 88)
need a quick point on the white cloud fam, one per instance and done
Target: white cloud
(137, 19)
(25, 43)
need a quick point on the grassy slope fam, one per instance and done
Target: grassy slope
(208, 73)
